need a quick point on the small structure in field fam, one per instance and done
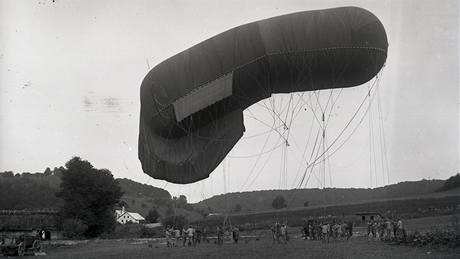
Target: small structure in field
(122, 216)
(366, 216)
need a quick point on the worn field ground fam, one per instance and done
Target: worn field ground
(263, 248)
(249, 247)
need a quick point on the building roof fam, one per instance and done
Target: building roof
(134, 215)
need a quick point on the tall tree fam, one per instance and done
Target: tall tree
(279, 202)
(89, 196)
(152, 216)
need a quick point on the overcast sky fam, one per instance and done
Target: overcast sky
(70, 73)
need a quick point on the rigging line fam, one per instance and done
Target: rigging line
(281, 169)
(353, 131)
(257, 160)
(324, 151)
(285, 148)
(311, 156)
(288, 107)
(300, 161)
(375, 83)
(329, 166)
(382, 130)
(316, 93)
(380, 139)
(305, 148)
(273, 112)
(261, 153)
(271, 127)
(348, 123)
(259, 156)
(300, 105)
(328, 100)
(373, 146)
(342, 131)
(370, 142)
(262, 168)
(293, 117)
(242, 138)
(333, 104)
(312, 168)
(314, 111)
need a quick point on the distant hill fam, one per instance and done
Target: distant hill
(37, 191)
(262, 200)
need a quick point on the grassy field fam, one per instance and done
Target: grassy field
(263, 248)
(434, 223)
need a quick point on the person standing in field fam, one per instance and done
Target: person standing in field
(177, 235)
(198, 235)
(283, 234)
(401, 231)
(190, 232)
(172, 236)
(273, 230)
(168, 236)
(204, 234)
(184, 236)
(278, 232)
(325, 229)
(220, 234)
(236, 234)
(388, 228)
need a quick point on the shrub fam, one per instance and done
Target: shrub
(74, 228)
(175, 220)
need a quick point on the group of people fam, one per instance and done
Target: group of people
(386, 229)
(279, 233)
(190, 236)
(314, 229)
(223, 231)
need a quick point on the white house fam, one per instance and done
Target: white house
(124, 216)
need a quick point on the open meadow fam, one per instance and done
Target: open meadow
(258, 244)
(359, 247)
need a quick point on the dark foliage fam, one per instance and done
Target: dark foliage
(28, 191)
(136, 189)
(237, 208)
(451, 183)
(152, 216)
(74, 228)
(279, 202)
(89, 196)
(175, 220)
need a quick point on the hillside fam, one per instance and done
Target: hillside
(262, 200)
(37, 191)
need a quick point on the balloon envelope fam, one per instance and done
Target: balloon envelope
(192, 103)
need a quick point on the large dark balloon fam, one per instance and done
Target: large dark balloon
(192, 103)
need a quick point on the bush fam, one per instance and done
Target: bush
(451, 183)
(279, 202)
(175, 220)
(152, 216)
(74, 228)
(145, 232)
